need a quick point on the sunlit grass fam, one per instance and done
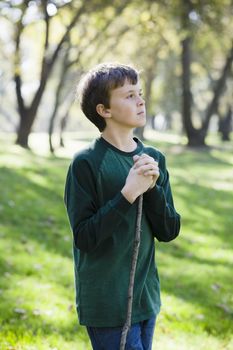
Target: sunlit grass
(37, 309)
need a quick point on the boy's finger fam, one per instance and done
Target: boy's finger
(141, 156)
(136, 157)
(144, 161)
(148, 160)
(153, 173)
(147, 167)
(141, 167)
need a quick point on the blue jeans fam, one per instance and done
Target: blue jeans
(139, 337)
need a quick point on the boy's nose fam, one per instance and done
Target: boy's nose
(140, 101)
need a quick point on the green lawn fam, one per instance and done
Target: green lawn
(36, 271)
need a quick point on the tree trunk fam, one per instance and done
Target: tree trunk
(187, 95)
(62, 79)
(152, 119)
(54, 114)
(62, 127)
(196, 137)
(218, 90)
(24, 128)
(225, 125)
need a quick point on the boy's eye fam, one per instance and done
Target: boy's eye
(130, 96)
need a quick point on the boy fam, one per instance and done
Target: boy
(103, 184)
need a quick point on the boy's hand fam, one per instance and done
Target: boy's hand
(147, 166)
(142, 176)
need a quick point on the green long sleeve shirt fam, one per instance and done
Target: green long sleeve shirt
(103, 225)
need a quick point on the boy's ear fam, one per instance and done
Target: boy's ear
(103, 111)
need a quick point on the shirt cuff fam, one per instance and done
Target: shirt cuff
(155, 199)
(120, 204)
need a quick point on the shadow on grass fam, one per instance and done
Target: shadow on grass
(34, 211)
(33, 227)
(201, 276)
(208, 210)
(195, 286)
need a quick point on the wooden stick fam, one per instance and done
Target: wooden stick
(132, 274)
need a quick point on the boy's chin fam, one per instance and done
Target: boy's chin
(141, 123)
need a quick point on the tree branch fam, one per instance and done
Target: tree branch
(47, 65)
(17, 69)
(98, 34)
(132, 274)
(66, 35)
(64, 69)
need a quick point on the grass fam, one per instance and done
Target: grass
(36, 270)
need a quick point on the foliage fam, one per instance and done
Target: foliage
(38, 35)
(192, 17)
(36, 270)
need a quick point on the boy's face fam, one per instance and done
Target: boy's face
(127, 107)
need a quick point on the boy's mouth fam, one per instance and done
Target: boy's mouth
(140, 113)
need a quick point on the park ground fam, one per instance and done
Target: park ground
(36, 272)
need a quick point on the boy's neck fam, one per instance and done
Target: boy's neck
(122, 141)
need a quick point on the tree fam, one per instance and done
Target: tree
(196, 136)
(45, 11)
(225, 125)
(192, 21)
(28, 113)
(76, 53)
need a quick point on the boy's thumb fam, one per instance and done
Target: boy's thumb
(135, 158)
